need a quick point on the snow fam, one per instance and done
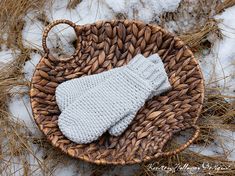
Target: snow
(7, 55)
(19, 106)
(143, 10)
(218, 66)
(205, 150)
(190, 15)
(218, 69)
(69, 170)
(226, 138)
(20, 109)
(30, 65)
(74, 167)
(32, 33)
(223, 145)
(225, 48)
(87, 11)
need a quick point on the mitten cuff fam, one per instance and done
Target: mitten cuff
(150, 69)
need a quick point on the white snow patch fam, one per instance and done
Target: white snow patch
(205, 150)
(224, 140)
(218, 66)
(225, 49)
(87, 11)
(7, 55)
(74, 167)
(32, 33)
(30, 65)
(64, 171)
(143, 10)
(217, 70)
(227, 139)
(20, 109)
(19, 106)
(16, 164)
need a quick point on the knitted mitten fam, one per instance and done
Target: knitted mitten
(69, 91)
(122, 124)
(119, 96)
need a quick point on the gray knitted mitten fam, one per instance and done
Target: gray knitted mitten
(118, 96)
(69, 91)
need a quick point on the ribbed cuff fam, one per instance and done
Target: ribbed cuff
(150, 69)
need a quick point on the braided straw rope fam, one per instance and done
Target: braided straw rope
(102, 46)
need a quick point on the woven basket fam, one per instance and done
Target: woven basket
(102, 46)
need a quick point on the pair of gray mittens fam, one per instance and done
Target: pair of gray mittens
(110, 100)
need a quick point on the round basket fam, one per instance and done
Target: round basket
(102, 46)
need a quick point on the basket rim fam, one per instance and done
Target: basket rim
(105, 162)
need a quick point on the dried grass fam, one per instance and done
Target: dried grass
(201, 22)
(73, 3)
(16, 140)
(224, 5)
(196, 39)
(199, 11)
(11, 16)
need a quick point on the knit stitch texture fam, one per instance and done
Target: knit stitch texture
(69, 91)
(120, 95)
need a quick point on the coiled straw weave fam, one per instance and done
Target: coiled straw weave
(102, 46)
